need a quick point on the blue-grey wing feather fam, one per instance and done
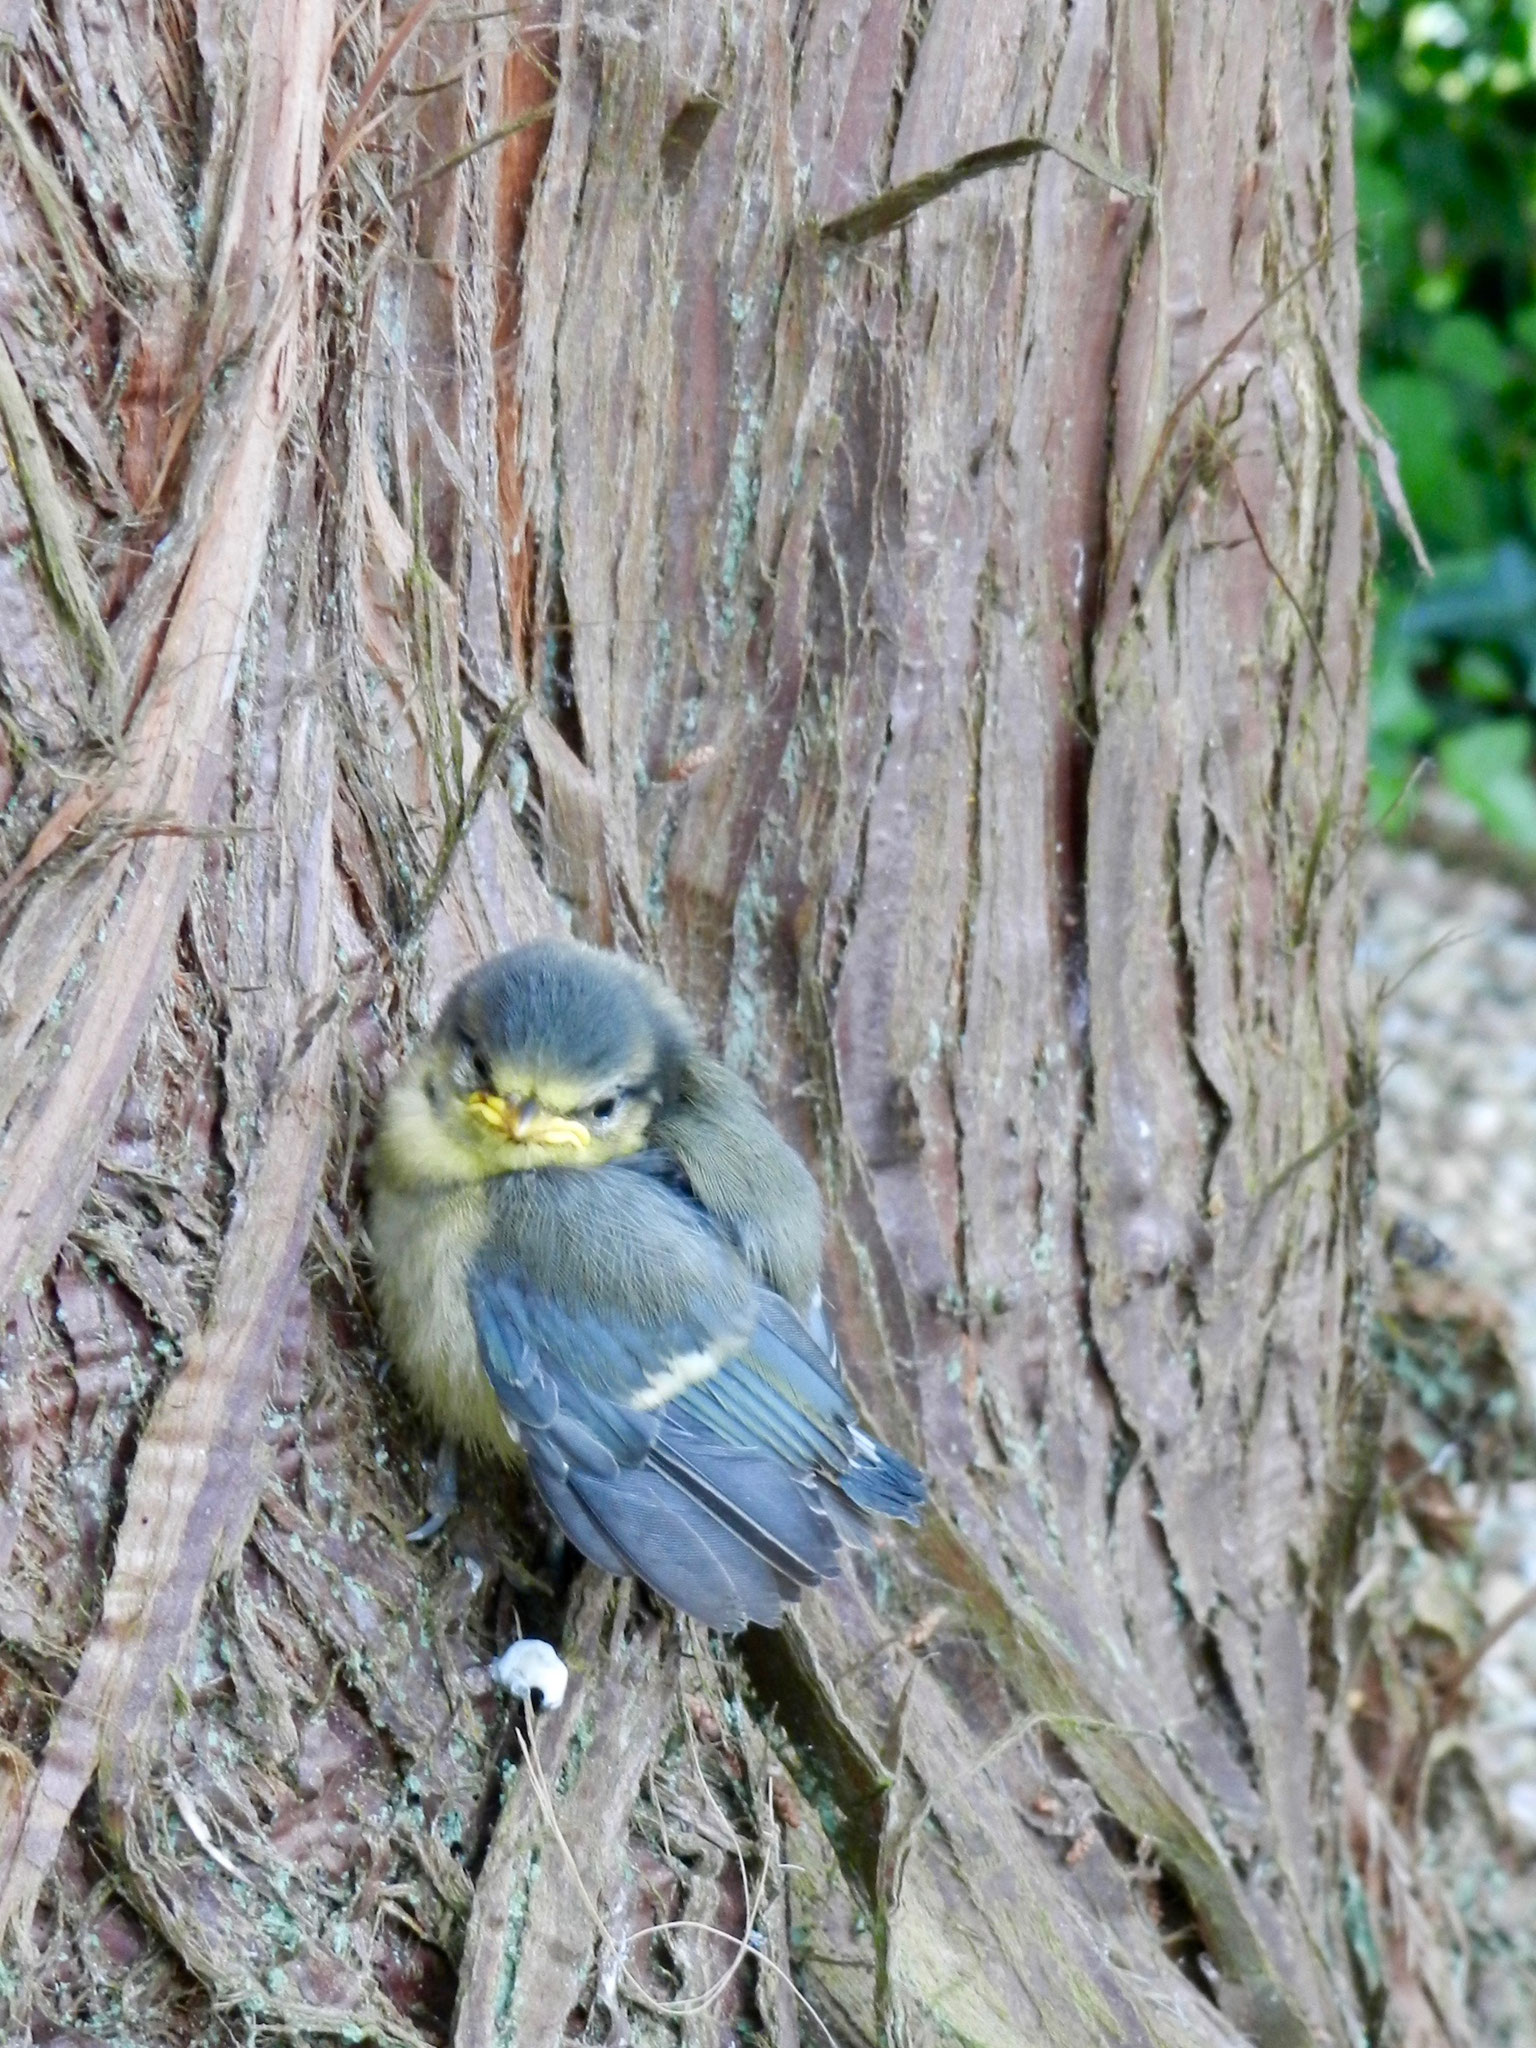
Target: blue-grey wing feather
(720, 1494)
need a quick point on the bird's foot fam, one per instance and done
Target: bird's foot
(442, 1495)
(531, 1670)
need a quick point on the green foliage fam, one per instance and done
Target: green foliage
(1446, 167)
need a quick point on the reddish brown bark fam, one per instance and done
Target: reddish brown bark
(940, 645)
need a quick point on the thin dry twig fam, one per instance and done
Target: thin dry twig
(52, 203)
(67, 573)
(1389, 989)
(897, 203)
(535, 117)
(1334, 1135)
(1464, 1667)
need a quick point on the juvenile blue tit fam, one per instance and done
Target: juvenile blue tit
(594, 1252)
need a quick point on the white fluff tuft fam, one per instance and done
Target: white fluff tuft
(531, 1666)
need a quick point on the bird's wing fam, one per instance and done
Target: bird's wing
(784, 1390)
(602, 1301)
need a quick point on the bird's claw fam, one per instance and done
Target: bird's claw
(442, 1496)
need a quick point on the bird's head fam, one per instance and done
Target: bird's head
(551, 1055)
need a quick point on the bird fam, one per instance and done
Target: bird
(595, 1255)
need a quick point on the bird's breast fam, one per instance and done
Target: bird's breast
(422, 1245)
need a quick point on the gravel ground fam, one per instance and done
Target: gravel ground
(1454, 959)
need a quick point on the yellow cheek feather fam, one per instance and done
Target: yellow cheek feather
(418, 1148)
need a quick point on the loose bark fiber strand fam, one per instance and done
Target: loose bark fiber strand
(49, 1148)
(191, 1494)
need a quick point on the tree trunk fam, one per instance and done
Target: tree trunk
(470, 473)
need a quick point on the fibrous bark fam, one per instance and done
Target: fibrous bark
(472, 472)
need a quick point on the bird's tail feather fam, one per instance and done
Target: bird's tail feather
(882, 1482)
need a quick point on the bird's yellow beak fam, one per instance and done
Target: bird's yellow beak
(526, 1123)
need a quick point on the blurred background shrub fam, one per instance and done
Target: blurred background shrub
(1445, 127)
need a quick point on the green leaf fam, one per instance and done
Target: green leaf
(1488, 764)
(1508, 807)
(1494, 746)
(1467, 350)
(1384, 208)
(1434, 25)
(1401, 716)
(1479, 599)
(1446, 177)
(1438, 290)
(1376, 122)
(1481, 677)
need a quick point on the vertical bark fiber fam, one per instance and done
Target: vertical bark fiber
(546, 496)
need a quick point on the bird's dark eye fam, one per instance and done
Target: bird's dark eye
(604, 1109)
(473, 1062)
